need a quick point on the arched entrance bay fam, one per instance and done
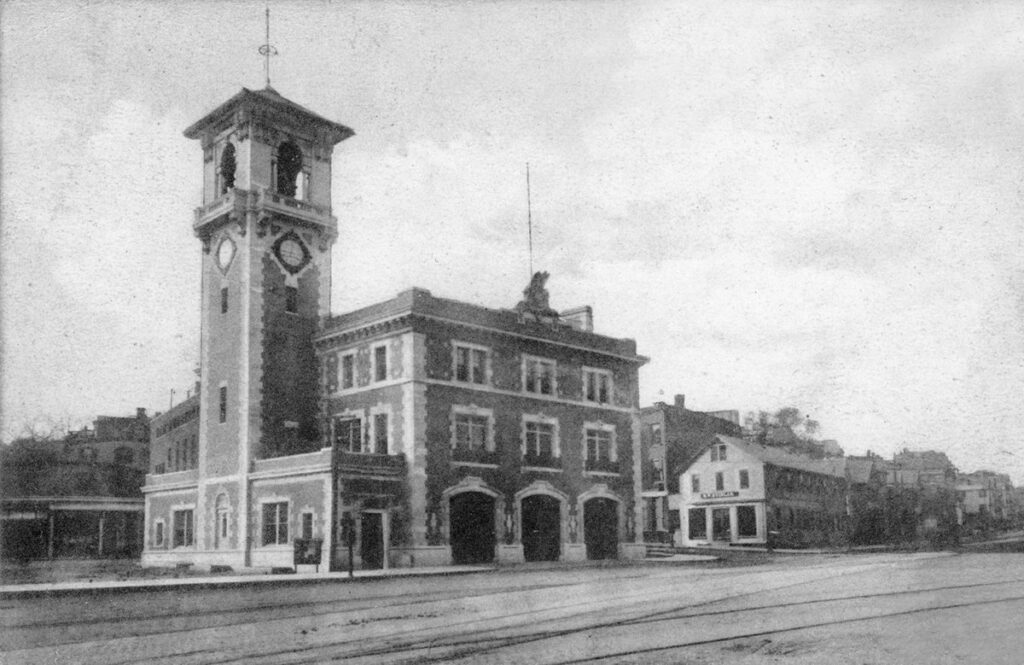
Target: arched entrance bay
(601, 528)
(541, 528)
(472, 528)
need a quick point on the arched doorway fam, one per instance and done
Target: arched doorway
(542, 528)
(471, 519)
(288, 167)
(601, 528)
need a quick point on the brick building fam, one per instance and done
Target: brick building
(463, 433)
(673, 436)
(421, 429)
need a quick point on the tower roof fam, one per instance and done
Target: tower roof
(269, 100)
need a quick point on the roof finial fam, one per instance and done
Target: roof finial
(266, 50)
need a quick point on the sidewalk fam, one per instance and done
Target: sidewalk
(13, 591)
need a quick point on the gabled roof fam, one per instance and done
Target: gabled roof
(268, 97)
(786, 459)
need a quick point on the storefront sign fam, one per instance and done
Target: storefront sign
(718, 495)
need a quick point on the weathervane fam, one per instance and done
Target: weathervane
(266, 50)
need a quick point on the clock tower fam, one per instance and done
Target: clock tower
(266, 229)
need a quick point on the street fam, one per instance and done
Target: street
(868, 608)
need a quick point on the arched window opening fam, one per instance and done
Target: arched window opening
(227, 168)
(289, 167)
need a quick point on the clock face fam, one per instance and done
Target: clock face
(291, 252)
(225, 252)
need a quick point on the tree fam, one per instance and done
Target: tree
(786, 428)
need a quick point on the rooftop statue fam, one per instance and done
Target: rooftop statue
(535, 297)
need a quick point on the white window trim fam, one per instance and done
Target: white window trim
(554, 375)
(603, 372)
(160, 526)
(456, 345)
(556, 443)
(373, 362)
(358, 414)
(341, 372)
(613, 453)
(288, 520)
(380, 409)
(474, 410)
(179, 507)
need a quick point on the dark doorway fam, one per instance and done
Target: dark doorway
(601, 528)
(542, 528)
(472, 527)
(371, 541)
(720, 524)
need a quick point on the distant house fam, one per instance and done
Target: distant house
(741, 493)
(76, 497)
(986, 499)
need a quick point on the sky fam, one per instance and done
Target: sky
(784, 203)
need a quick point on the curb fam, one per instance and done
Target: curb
(107, 587)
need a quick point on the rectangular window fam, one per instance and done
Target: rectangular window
(291, 299)
(695, 483)
(470, 432)
(380, 433)
(348, 434)
(744, 479)
(158, 535)
(539, 376)
(223, 404)
(599, 445)
(540, 439)
(275, 523)
(307, 525)
(380, 363)
(597, 386)
(714, 453)
(721, 453)
(470, 365)
(746, 518)
(223, 299)
(698, 524)
(719, 481)
(222, 523)
(183, 536)
(348, 371)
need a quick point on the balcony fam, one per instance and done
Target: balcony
(542, 461)
(602, 466)
(232, 201)
(367, 464)
(236, 202)
(476, 456)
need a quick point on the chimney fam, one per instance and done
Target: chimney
(140, 413)
(580, 318)
(680, 401)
